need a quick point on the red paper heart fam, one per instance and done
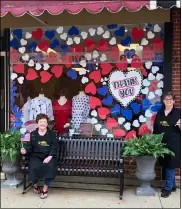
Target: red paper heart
(31, 75)
(43, 45)
(136, 62)
(147, 53)
(94, 102)
(137, 33)
(77, 50)
(57, 70)
(119, 133)
(103, 112)
(123, 64)
(144, 130)
(19, 68)
(153, 119)
(144, 71)
(114, 53)
(45, 76)
(106, 68)
(90, 88)
(111, 123)
(158, 44)
(95, 75)
(37, 34)
(52, 58)
(14, 55)
(103, 45)
(89, 44)
(153, 86)
(66, 60)
(130, 135)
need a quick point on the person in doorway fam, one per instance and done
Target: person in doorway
(168, 121)
(42, 149)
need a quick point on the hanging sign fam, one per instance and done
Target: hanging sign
(125, 87)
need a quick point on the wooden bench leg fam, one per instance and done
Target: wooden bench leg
(121, 186)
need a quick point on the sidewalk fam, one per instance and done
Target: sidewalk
(69, 198)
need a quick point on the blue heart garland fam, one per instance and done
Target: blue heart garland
(135, 107)
(116, 110)
(102, 91)
(156, 107)
(54, 44)
(73, 31)
(112, 26)
(126, 41)
(127, 114)
(120, 31)
(108, 100)
(18, 33)
(31, 47)
(14, 44)
(72, 74)
(146, 104)
(50, 34)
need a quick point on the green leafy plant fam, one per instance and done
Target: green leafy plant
(10, 145)
(146, 145)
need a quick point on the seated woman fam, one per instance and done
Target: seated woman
(42, 148)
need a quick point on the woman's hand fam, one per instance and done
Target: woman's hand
(179, 123)
(23, 151)
(47, 159)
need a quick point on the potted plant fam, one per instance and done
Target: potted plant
(10, 152)
(146, 149)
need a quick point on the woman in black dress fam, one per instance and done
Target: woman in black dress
(168, 121)
(42, 148)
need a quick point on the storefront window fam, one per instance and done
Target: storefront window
(90, 80)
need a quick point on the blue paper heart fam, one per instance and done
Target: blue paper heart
(39, 56)
(72, 74)
(145, 104)
(14, 82)
(14, 44)
(102, 91)
(156, 107)
(127, 114)
(31, 47)
(148, 27)
(116, 110)
(129, 53)
(12, 94)
(18, 114)
(91, 66)
(18, 33)
(108, 101)
(18, 123)
(50, 34)
(73, 31)
(54, 44)
(64, 49)
(126, 41)
(14, 88)
(161, 34)
(14, 108)
(135, 107)
(13, 128)
(12, 100)
(112, 26)
(120, 31)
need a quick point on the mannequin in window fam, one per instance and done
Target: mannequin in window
(80, 108)
(62, 109)
(41, 104)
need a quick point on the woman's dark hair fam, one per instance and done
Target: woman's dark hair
(42, 116)
(168, 94)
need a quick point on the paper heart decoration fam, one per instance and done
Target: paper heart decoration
(137, 33)
(111, 123)
(28, 35)
(20, 80)
(151, 77)
(39, 56)
(103, 58)
(136, 62)
(95, 54)
(112, 41)
(159, 76)
(23, 42)
(95, 76)
(120, 31)
(67, 60)
(18, 33)
(143, 129)
(158, 92)
(43, 45)
(148, 114)
(153, 86)
(14, 43)
(130, 135)
(103, 45)
(151, 96)
(38, 66)
(106, 68)
(46, 66)
(103, 112)
(98, 127)
(84, 35)
(150, 35)
(73, 31)
(136, 123)
(83, 63)
(69, 41)
(142, 119)
(125, 95)
(146, 82)
(82, 71)
(19, 68)
(84, 80)
(90, 88)
(147, 53)
(160, 84)
(23, 130)
(158, 44)
(14, 55)
(31, 47)
(144, 42)
(100, 31)
(108, 101)
(148, 64)
(94, 102)
(127, 114)
(121, 120)
(129, 53)
(145, 90)
(135, 107)
(89, 44)
(104, 131)
(88, 56)
(123, 64)
(146, 104)
(157, 28)
(119, 133)
(92, 31)
(139, 48)
(76, 40)
(93, 113)
(155, 69)
(102, 91)
(13, 76)
(59, 30)
(63, 36)
(31, 63)
(153, 119)
(31, 75)
(126, 41)
(11, 37)
(50, 34)
(22, 49)
(114, 53)
(37, 34)
(116, 110)
(57, 70)
(127, 126)
(94, 121)
(54, 44)
(106, 35)
(72, 74)
(25, 57)
(45, 76)
(112, 26)
(156, 107)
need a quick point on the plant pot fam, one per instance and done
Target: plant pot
(145, 173)
(10, 169)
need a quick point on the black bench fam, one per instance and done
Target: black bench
(82, 156)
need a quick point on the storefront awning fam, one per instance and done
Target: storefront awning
(36, 8)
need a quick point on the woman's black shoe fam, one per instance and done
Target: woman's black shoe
(173, 189)
(165, 193)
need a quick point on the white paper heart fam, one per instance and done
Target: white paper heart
(148, 65)
(104, 83)
(151, 95)
(150, 35)
(82, 71)
(83, 63)
(105, 79)
(70, 41)
(38, 66)
(100, 31)
(142, 119)
(98, 127)
(13, 76)
(144, 42)
(160, 84)
(84, 80)
(20, 80)
(94, 121)
(110, 135)
(159, 76)
(139, 48)
(158, 92)
(112, 41)
(104, 131)
(146, 82)
(64, 36)
(92, 31)
(148, 114)
(157, 28)
(94, 113)
(84, 34)
(136, 123)
(23, 42)
(11, 37)
(88, 56)
(155, 69)
(151, 77)
(31, 63)
(145, 90)
(95, 54)
(121, 120)
(125, 87)
(106, 35)
(59, 30)
(25, 57)
(23, 130)
(103, 58)
(22, 49)
(76, 40)
(127, 126)
(46, 66)
(28, 35)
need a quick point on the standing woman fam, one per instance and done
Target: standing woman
(42, 148)
(168, 121)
